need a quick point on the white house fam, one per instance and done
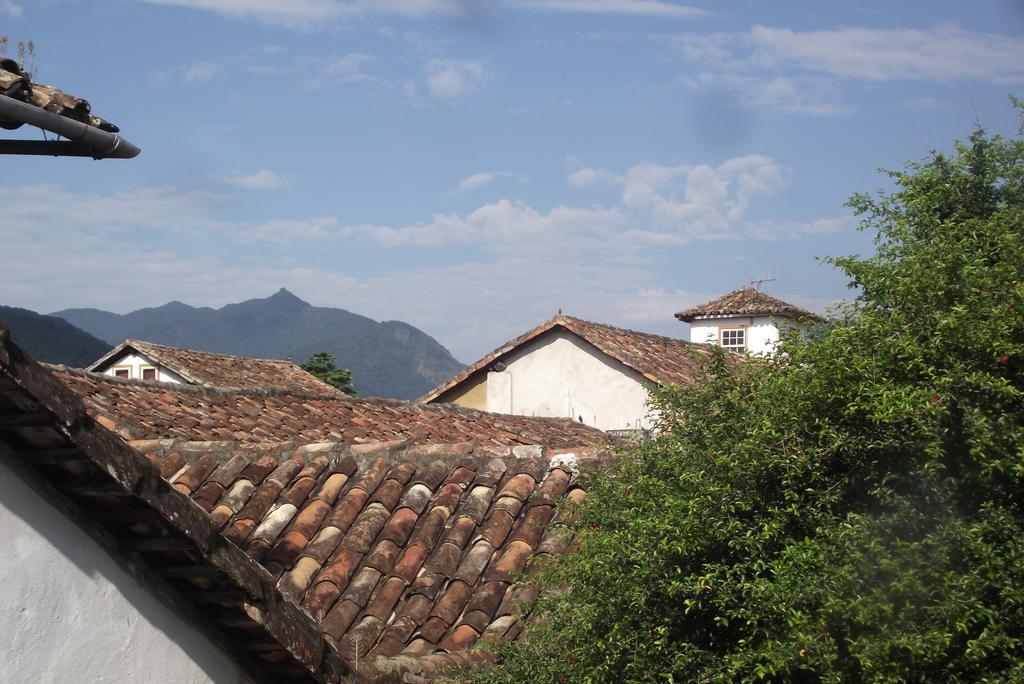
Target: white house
(566, 367)
(138, 360)
(745, 321)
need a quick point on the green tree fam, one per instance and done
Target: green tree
(849, 510)
(321, 364)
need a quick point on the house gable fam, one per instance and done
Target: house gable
(560, 374)
(134, 365)
(577, 369)
(207, 369)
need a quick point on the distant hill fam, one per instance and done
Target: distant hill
(51, 339)
(389, 359)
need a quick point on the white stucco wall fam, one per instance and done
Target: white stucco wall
(560, 375)
(70, 613)
(136, 363)
(762, 331)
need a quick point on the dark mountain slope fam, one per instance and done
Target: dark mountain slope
(390, 359)
(51, 339)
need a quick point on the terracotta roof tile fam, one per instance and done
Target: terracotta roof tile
(403, 573)
(220, 370)
(661, 360)
(123, 494)
(143, 411)
(385, 547)
(746, 301)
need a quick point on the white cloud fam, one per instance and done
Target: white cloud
(295, 13)
(589, 176)
(941, 54)
(800, 72)
(478, 180)
(522, 261)
(798, 94)
(340, 70)
(452, 79)
(287, 231)
(659, 205)
(651, 8)
(924, 103)
(656, 204)
(201, 71)
(260, 180)
(10, 7)
(314, 13)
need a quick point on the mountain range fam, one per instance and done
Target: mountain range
(51, 339)
(387, 359)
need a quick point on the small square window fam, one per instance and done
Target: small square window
(733, 339)
(122, 372)
(149, 373)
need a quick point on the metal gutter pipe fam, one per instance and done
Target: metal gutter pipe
(83, 140)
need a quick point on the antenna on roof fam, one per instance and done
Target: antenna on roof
(756, 282)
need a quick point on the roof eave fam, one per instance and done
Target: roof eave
(117, 478)
(99, 364)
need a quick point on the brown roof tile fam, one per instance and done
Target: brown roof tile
(145, 411)
(124, 495)
(384, 548)
(405, 573)
(661, 360)
(746, 301)
(219, 370)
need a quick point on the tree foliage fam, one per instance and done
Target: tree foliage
(321, 365)
(849, 510)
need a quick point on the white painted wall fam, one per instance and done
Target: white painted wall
(762, 331)
(70, 613)
(560, 375)
(136, 362)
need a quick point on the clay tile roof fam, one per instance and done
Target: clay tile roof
(404, 556)
(219, 370)
(170, 542)
(18, 85)
(746, 301)
(402, 560)
(662, 360)
(145, 410)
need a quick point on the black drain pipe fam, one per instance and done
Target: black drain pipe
(83, 140)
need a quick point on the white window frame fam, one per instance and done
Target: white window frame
(742, 330)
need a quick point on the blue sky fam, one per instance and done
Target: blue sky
(472, 167)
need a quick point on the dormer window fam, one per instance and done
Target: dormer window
(733, 339)
(123, 372)
(149, 373)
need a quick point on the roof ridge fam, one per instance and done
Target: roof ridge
(745, 300)
(204, 388)
(132, 340)
(638, 332)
